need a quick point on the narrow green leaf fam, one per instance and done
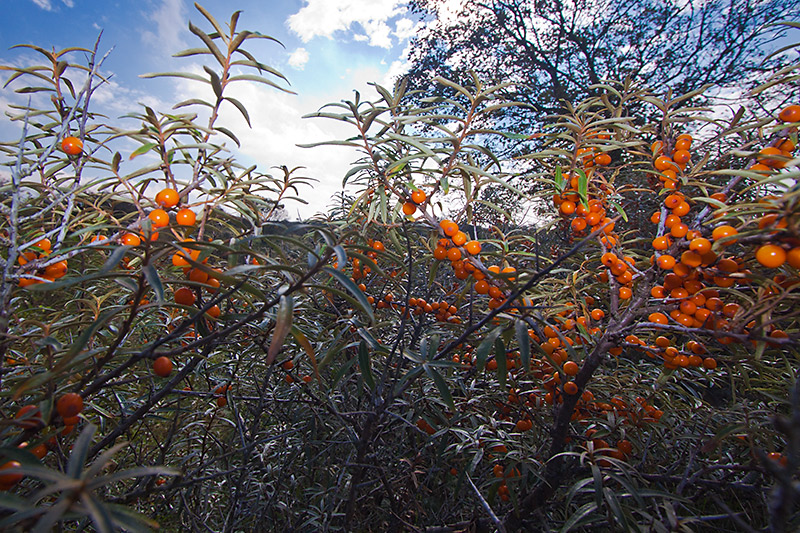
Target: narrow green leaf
(558, 178)
(228, 133)
(185, 75)
(283, 325)
(502, 363)
(583, 187)
(209, 43)
(582, 512)
(482, 352)
(153, 279)
(353, 289)
(146, 147)
(211, 19)
(240, 107)
(441, 385)
(618, 208)
(80, 450)
(364, 365)
(524, 343)
(216, 83)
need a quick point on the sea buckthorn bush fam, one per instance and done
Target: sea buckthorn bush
(623, 360)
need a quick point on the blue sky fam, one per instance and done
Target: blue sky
(331, 48)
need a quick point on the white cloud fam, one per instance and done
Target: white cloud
(298, 59)
(278, 127)
(47, 5)
(323, 18)
(169, 19)
(44, 4)
(405, 29)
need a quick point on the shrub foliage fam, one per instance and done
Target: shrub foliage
(623, 358)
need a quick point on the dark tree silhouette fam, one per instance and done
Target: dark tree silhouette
(556, 50)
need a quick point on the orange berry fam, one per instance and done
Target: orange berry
(661, 243)
(159, 218)
(72, 145)
(681, 156)
(449, 227)
(185, 217)
(658, 318)
(130, 239)
(482, 287)
(663, 162)
(771, 255)
(765, 157)
(793, 257)
(69, 405)
(602, 159)
(29, 417)
(691, 259)
(473, 247)
(184, 296)
(681, 209)
(679, 230)
(609, 259)
(460, 238)
(418, 196)
(214, 311)
(570, 388)
(700, 245)
(162, 366)
(683, 144)
(790, 114)
(625, 293)
(666, 262)
(453, 254)
(409, 208)
(9, 480)
(571, 368)
(567, 208)
(167, 198)
(722, 232)
(56, 270)
(578, 224)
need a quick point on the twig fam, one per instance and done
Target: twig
(496, 521)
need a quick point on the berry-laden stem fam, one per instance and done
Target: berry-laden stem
(560, 430)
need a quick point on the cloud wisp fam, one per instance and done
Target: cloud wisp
(323, 18)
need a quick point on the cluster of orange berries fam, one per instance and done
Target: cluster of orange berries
(443, 311)
(29, 418)
(621, 451)
(786, 248)
(673, 357)
(591, 156)
(186, 296)
(590, 216)
(504, 474)
(416, 198)
(637, 413)
(456, 247)
(288, 365)
(669, 166)
(49, 273)
(220, 395)
(686, 280)
(167, 199)
(774, 157)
